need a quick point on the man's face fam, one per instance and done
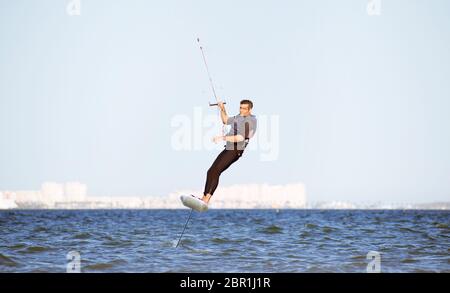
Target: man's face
(244, 109)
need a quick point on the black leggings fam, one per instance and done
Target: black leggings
(222, 162)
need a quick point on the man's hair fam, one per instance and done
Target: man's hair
(247, 102)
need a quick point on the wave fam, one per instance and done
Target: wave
(230, 251)
(406, 229)
(105, 265)
(259, 241)
(7, 261)
(327, 229)
(441, 225)
(310, 226)
(118, 243)
(17, 246)
(409, 260)
(218, 240)
(35, 249)
(273, 229)
(40, 229)
(358, 257)
(83, 235)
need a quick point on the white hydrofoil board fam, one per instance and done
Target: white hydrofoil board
(193, 202)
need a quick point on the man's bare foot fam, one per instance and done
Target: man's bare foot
(206, 198)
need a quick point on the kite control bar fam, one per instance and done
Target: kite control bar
(216, 104)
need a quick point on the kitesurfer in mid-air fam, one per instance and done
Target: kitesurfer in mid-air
(243, 127)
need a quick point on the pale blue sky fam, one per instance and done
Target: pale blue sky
(363, 101)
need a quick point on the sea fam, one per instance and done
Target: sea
(298, 241)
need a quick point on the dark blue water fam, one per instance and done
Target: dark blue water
(225, 240)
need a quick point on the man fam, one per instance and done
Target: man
(243, 127)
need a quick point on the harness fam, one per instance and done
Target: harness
(247, 133)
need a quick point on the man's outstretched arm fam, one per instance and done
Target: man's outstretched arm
(233, 138)
(223, 112)
(229, 138)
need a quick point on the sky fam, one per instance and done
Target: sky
(355, 106)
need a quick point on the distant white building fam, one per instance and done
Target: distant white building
(73, 195)
(6, 203)
(75, 191)
(51, 195)
(52, 191)
(22, 195)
